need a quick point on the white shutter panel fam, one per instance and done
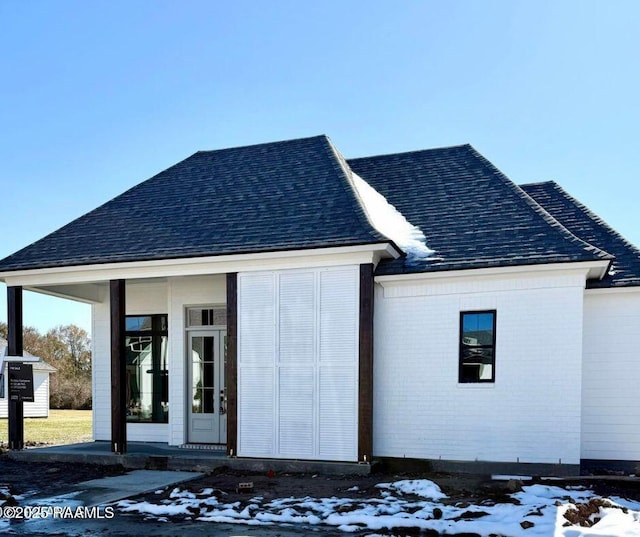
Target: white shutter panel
(297, 328)
(297, 318)
(296, 423)
(339, 316)
(338, 414)
(256, 364)
(256, 319)
(338, 383)
(255, 411)
(298, 364)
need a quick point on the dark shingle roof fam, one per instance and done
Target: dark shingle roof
(471, 214)
(275, 196)
(578, 219)
(297, 194)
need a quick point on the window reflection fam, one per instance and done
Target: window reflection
(203, 374)
(147, 369)
(477, 346)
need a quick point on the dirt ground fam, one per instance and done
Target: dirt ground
(45, 479)
(23, 478)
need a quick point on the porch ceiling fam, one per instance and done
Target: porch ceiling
(89, 293)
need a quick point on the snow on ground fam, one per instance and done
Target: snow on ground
(537, 510)
(391, 222)
(4, 493)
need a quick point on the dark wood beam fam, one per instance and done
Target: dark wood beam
(118, 367)
(231, 372)
(15, 348)
(365, 376)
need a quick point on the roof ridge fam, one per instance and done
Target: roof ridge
(540, 210)
(277, 142)
(588, 212)
(414, 151)
(537, 183)
(344, 169)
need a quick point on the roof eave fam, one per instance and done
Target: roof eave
(594, 269)
(217, 264)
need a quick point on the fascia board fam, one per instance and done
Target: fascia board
(590, 269)
(369, 253)
(613, 290)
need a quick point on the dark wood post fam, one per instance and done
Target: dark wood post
(118, 368)
(15, 348)
(232, 364)
(365, 377)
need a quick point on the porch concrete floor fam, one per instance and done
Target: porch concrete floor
(158, 456)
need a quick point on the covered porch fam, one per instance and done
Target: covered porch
(185, 308)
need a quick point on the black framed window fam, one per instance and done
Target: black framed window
(147, 369)
(477, 346)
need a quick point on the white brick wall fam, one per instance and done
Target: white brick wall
(101, 356)
(532, 411)
(611, 369)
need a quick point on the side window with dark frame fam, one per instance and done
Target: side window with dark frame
(147, 369)
(477, 346)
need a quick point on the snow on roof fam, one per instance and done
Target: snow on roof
(391, 222)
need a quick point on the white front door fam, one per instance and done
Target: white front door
(207, 392)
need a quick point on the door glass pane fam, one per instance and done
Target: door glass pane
(196, 401)
(207, 316)
(203, 374)
(207, 400)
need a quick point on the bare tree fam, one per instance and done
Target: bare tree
(68, 349)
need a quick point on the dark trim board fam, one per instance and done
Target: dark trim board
(117, 304)
(365, 367)
(231, 372)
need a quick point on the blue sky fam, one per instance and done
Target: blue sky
(98, 96)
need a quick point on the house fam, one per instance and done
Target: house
(39, 407)
(284, 302)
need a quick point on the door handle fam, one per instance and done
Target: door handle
(223, 401)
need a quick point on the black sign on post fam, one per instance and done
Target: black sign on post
(20, 382)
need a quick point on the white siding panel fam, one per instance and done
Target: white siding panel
(148, 432)
(296, 411)
(611, 368)
(101, 370)
(169, 297)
